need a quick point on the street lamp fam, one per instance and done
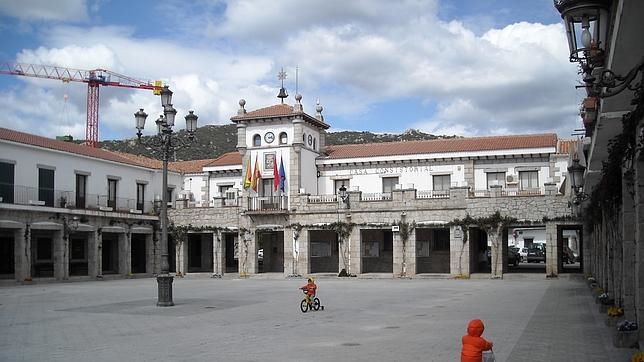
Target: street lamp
(342, 191)
(587, 24)
(576, 172)
(164, 124)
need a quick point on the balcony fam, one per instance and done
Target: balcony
(267, 204)
(44, 197)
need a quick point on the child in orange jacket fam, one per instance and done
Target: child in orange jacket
(473, 343)
(310, 289)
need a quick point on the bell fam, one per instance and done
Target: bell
(282, 94)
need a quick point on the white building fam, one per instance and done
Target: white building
(69, 210)
(396, 209)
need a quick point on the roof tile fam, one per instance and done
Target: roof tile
(74, 148)
(451, 145)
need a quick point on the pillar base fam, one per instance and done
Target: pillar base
(165, 290)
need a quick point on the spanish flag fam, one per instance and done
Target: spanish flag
(247, 179)
(256, 176)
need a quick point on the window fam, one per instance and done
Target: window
(267, 187)
(81, 185)
(46, 186)
(441, 239)
(528, 180)
(283, 138)
(77, 249)
(388, 184)
(111, 193)
(169, 192)
(339, 183)
(6, 182)
(320, 249)
(140, 196)
(223, 190)
(495, 178)
(441, 182)
(257, 140)
(43, 249)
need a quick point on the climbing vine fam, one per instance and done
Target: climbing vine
(405, 230)
(623, 151)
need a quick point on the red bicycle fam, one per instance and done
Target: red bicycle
(309, 303)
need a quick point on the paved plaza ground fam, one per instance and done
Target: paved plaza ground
(528, 318)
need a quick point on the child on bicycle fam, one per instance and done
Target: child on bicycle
(310, 288)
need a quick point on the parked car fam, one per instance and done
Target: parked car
(524, 254)
(536, 255)
(513, 256)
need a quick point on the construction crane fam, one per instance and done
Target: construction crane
(94, 79)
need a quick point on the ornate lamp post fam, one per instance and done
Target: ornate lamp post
(168, 145)
(576, 172)
(342, 192)
(587, 23)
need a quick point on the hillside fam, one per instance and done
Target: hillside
(212, 141)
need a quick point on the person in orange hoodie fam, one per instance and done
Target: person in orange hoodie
(473, 343)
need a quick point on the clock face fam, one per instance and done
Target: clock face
(269, 137)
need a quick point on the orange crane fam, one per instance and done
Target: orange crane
(94, 78)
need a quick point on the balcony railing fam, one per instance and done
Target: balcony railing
(322, 199)
(24, 195)
(376, 196)
(432, 194)
(268, 203)
(507, 192)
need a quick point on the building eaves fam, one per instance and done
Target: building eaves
(77, 149)
(278, 111)
(452, 145)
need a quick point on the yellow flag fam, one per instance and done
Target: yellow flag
(256, 176)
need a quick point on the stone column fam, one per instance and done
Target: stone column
(218, 256)
(296, 252)
(628, 258)
(182, 255)
(125, 254)
(61, 255)
(354, 247)
(496, 253)
(551, 250)
(247, 263)
(150, 254)
(638, 270)
(99, 253)
(21, 254)
(93, 267)
(459, 247)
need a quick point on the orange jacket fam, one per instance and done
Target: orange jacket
(310, 289)
(473, 343)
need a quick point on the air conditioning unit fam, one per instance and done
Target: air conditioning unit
(511, 178)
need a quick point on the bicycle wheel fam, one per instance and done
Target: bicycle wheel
(316, 304)
(304, 306)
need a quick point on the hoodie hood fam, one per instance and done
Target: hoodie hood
(475, 328)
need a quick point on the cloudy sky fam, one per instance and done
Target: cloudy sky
(464, 67)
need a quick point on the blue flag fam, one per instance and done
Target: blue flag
(282, 174)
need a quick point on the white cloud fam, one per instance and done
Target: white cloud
(60, 10)
(352, 55)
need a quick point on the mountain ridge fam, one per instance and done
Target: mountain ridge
(212, 141)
